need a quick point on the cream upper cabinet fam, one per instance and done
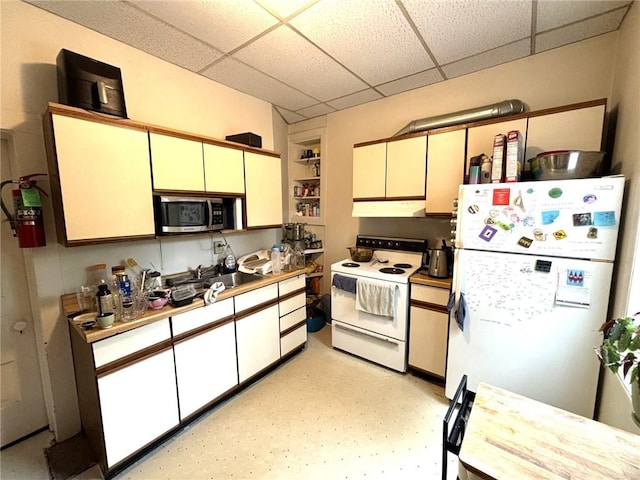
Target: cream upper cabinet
(104, 178)
(406, 167)
(176, 163)
(263, 179)
(223, 169)
(579, 129)
(445, 170)
(369, 171)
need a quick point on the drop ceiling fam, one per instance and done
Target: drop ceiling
(310, 58)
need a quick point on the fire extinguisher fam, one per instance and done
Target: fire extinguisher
(27, 222)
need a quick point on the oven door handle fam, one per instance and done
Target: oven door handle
(368, 334)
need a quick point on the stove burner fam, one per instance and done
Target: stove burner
(392, 270)
(402, 265)
(350, 264)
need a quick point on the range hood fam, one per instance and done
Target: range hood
(390, 208)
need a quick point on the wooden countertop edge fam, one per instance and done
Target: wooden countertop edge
(422, 279)
(150, 316)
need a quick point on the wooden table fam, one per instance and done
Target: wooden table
(509, 436)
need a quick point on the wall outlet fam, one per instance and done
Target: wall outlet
(218, 247)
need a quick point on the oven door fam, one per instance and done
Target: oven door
(343, 309)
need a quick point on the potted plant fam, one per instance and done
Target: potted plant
(621, 349)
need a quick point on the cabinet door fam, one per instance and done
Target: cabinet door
(263, 177)
(406, 167)
(105, 179)
(445, 170)
(223, 169)
(579, 129)
(258, 341)
(428, 340)
(206, 367)
(369, 171)
(177, 163)
(138, 403)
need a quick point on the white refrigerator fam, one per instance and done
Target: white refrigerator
(532, 276)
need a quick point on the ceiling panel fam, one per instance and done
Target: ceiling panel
(459, 29)
(579, 31)
(235, 74)
(553, 14)
(284, 54)
(310, 57)
(224, 25)
(355, 32)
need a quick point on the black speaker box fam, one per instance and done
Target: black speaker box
(89, 84)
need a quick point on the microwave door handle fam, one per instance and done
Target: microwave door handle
(210, 227)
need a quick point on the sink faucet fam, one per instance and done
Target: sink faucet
(199, 272)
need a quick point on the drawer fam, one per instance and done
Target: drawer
(293, 303)
(292, 318)
(123, 344)
(293, 340)
(255, 297)
(201, 316)
(291, 284)
(435, 295)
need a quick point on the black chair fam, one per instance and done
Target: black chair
(453, 432)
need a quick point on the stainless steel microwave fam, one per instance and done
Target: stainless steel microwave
(175, 214)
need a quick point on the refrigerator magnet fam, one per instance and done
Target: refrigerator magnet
(555, 192)
(559, 235)
(525, 242)
(488, 233)
(590, 198)
(604, 219)
(501, 196)
(549, 216)
(592, 233)
(582, 219)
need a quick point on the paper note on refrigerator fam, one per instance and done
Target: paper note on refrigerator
(573, 288)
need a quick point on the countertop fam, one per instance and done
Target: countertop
(424, 279)
(69, 305)
(510, 436)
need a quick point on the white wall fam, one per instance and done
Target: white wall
(155, 92)
(615, 403)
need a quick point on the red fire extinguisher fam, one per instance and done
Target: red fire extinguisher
(27, 222)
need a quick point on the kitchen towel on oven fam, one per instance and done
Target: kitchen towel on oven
(348, 284)
(375, 298)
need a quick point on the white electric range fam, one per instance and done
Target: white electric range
(377, 337)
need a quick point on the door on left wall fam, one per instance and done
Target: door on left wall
(22, 409)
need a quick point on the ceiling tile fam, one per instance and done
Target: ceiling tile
(488, 59)
(579, 31)
(290, 117)
(129, 25)
(552, 13)
(417, 80)
(284, 8)
(370, 37)
(287, 56)
(459, 29)
(355, 99)
(241, 77)
(316, 110)
(222, 24)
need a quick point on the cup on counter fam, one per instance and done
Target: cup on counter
(86, 298)
(105, 320)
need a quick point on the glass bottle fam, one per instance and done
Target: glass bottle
(104, 300)
(229, 260)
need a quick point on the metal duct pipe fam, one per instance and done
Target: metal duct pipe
(506, 107)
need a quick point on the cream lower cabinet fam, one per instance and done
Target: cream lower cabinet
(205, 355)
(293, 313)
(136, 391)
(263, 181)
(257, 330)
(177, 163)
(428, 329)
(100, 180)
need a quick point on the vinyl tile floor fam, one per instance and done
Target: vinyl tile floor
(323, 414)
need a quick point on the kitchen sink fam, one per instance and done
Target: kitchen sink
(231, 280)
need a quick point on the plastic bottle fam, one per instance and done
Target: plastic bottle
(276, 265)
(124, 290)
(229, 260)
